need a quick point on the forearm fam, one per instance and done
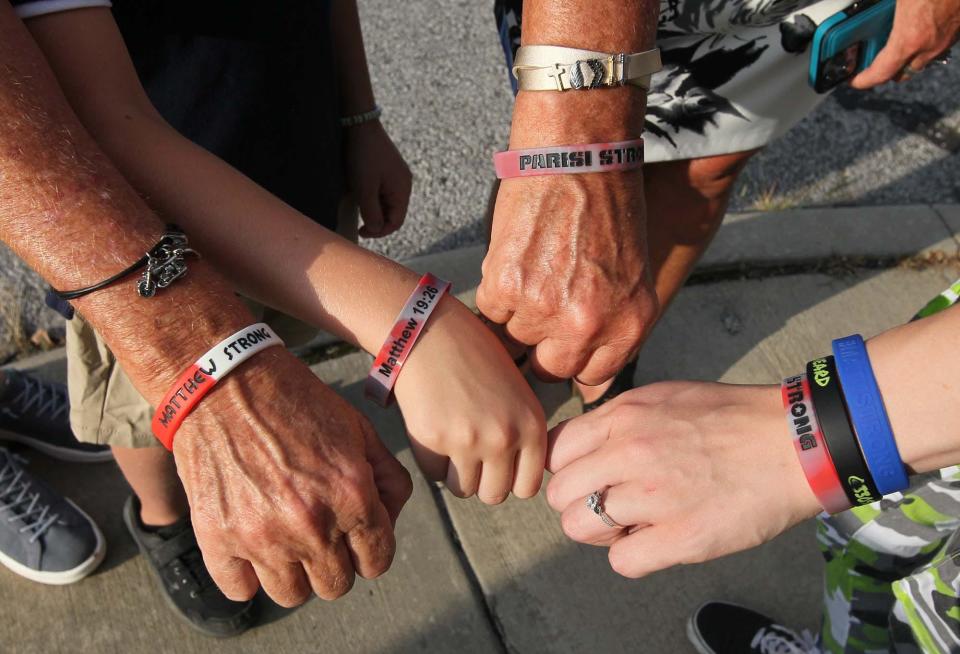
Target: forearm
(353, 75)
(918, 367)
(71, 215)
(555, 118)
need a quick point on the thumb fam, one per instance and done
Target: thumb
(884, 68)
(391, 478)
(368, 201)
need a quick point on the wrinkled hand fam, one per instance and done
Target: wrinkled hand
(289, 486)
(567, 271)
(473, 420)
(922, 31)
(692, 471)
(378, 178)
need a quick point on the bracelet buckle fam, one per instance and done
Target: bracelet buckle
(606, 72)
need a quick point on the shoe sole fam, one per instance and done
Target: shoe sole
(65, 577)
(158, 580)
(61, 453)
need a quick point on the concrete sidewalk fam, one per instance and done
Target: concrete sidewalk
(469, 578)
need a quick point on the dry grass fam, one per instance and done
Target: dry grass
(770, 200)
(15, 340)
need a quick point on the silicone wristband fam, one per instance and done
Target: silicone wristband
(827, 396)
(406, 330)
(197, 380)
(565, 159)
(943, 301)
(811, 450)
(868, 415)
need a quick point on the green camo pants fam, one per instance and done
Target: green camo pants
(892, 580)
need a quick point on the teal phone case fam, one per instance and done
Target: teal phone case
(869, 27)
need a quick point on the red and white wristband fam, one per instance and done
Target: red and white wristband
(566, 159)
(810, 445)
(197, 380)
(406, 330)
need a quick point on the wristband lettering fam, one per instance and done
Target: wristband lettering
(811, 449)
(197, 380)
(566, 159)
(406, 330)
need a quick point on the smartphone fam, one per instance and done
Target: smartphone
(848, 41)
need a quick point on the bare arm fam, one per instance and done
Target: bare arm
(567, 268)
(462, 398)
(269, 434)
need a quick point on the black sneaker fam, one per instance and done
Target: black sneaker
(43, 536)
(622, 382)
(723, 628)
(176, 561)
(36, 413)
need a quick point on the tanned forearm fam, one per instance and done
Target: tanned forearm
(542, 117)
(268, 250)
(67, 211)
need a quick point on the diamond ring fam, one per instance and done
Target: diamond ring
(595, 504)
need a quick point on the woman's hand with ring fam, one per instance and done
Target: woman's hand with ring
(692, 471)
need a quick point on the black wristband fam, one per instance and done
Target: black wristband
(827, 395)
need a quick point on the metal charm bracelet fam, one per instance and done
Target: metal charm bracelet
(164, 264)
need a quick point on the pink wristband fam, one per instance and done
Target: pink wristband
(810, 445)
(565, 159)
(413, 317)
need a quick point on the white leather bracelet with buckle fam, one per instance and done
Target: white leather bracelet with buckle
(555, 68)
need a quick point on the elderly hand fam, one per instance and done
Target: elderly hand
(922, 31)
(378, 178)
(289, 486)
(691, 471)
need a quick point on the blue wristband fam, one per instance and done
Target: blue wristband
(868, 415)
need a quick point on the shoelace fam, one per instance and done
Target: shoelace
(15, 496)
(780, 640)
(44, 399)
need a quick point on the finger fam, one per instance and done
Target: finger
(576, 438)
(604, 363)
(372, 544)
(553, 359)
(525, 329)
(391, 478)
(330, 570)
(529, 474)
(395, 203)
(496, 478)
(370, 210)
(627, 505)
(644, 551)
(595, 471)
(463, 477)
(432, 465)
(285, 583)
(888, 64)
(491, 303)
(235, 577)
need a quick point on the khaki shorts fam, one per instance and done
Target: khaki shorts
(105, 408)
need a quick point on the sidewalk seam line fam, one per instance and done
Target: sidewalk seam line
(946, 226)
(472, 579)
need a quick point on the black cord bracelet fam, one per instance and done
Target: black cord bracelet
(164, 264)
(838, 434)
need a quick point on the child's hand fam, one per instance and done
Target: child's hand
(378, 178)
(472, 418)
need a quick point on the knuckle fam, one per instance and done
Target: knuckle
(336, 586)
(555, 494)
(492, 499)
(570, 525)
(500, 442)
(291, 598)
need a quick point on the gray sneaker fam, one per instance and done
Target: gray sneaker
(35, 413)
(43, 536)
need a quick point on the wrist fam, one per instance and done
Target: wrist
(555, 118)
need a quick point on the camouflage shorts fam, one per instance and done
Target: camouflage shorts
(892, 581)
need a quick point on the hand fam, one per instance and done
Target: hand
(473, 420)
(289, 486)
(377, 177)
(691, 470)
(567, 272)
(922, 31)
